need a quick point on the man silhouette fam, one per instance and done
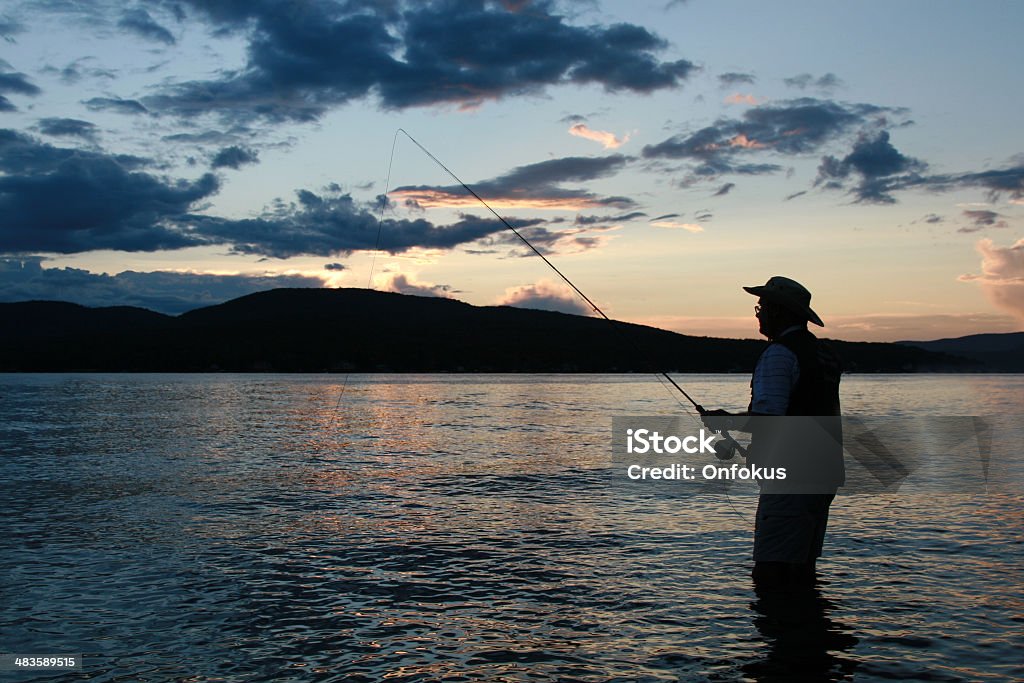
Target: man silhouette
(796, 375)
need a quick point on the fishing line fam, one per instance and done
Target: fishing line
(373, 260)
(597, 309)
(659, 374)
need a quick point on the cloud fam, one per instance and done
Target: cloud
(62, 200)
(724, 189)
(596, 220)
(546, 296)
(733, 79)
(139, 22)
(14, 83)
(565, 241)
(328, 224)
(689, 227)
(76, 71)
(315, 56)
(607, 140)
(981, 219)
(9, 28)
(531, 186)
(58, 127)
(804, 81)
(116, 104)
(405, 284)
(1002, 275)
(24, 279)
(234, 157)
(995, 183)
(875, 161)
(18, 84)
(334, 267)
(791, 128)
(738, 98)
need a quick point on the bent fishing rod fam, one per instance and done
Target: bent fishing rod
(597, 309)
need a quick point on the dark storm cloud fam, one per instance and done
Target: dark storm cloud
(304, 58)
(116, 104)
(24, 279)
(235, 157)
(64, 200)
(539, 182)
(139, 22)
(875, 162)
(58, 127)
(729, 80)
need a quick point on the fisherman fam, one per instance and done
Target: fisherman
(796, 375)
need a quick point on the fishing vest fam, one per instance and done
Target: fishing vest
(814, 456)
(817, 388)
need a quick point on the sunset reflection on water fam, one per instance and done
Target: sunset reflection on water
(464, 528)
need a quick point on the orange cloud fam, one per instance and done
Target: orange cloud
(1002, 275)
(607, 140)
(737, 98)
(743, 141)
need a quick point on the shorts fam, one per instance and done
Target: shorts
(790, 527)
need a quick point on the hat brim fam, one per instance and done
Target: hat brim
(774, 296)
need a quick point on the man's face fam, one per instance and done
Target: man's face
(763, 311)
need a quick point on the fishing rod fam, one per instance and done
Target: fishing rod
(595, 307)
(731, 444)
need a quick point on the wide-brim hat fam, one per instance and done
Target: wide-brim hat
(789, 294)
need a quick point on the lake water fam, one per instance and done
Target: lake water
(464, 528)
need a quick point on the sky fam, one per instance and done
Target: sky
(172, 154)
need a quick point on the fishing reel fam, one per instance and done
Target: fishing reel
(726, 448)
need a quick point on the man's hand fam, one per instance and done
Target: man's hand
(722, 420)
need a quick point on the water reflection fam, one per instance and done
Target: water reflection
(804, 640)
(257, 528)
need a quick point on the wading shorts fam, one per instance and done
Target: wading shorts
(790, 527)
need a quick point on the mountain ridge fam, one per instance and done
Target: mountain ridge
(360, 330)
